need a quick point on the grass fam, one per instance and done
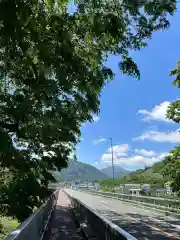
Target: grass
(7, 225)
(107, 189)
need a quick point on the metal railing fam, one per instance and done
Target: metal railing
(35, 226)
(97, 226)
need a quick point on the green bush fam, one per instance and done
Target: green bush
(107, 189)
(7, 225)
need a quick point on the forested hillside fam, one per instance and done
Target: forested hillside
(151, 175)
(79, 171)
(119, 172)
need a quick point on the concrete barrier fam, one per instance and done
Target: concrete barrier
(95, 225)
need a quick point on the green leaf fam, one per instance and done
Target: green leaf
(129, 67)
(53, 61)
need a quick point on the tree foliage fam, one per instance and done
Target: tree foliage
(173, 112)
(173, 161)
(52, 69)
(154, 181)
(172, 168)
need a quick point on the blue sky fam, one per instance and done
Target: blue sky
(132, 112)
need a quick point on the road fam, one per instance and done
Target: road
(141, 223)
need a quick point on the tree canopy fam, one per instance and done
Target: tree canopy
(173, 160)
(172, 169)
(53, 68)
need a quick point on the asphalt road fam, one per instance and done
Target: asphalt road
(141, 223)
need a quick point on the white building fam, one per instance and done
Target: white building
(168, 188)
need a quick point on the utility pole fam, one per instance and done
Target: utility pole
(112, 158)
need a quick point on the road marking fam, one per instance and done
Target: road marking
(103, 201)
(144, 209)
(164, 222)
(158, 214)
(137, 207)
(153, 227)
(154, 219)
(108, 208)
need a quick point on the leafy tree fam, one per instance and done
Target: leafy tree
(173, 112)
(52, 69)
(172, 168)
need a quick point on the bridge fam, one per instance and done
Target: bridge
(80, 214)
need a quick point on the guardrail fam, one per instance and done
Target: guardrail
(97, 226)
(34, 227)
(163, 204)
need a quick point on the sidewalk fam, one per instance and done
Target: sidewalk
(63, 226)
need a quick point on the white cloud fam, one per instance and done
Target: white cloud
(96, 118)
(172, 137)
(157, 113)
(145, 152)
(106, 157)
(134, 161)
(119, 150)
(138, 158)
(101, 140)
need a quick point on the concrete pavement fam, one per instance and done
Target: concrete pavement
(63, 226)
(139, 222)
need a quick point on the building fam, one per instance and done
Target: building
(119, 189)
(135, 191)
(129, 187)
(97, 186)
(160, 192)
(168, 188)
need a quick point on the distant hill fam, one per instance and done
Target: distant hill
(119, 172)
(79, 171)
(152, 175)
(154, 171)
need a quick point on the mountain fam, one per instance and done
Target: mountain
(119, 172)
(79, 171)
